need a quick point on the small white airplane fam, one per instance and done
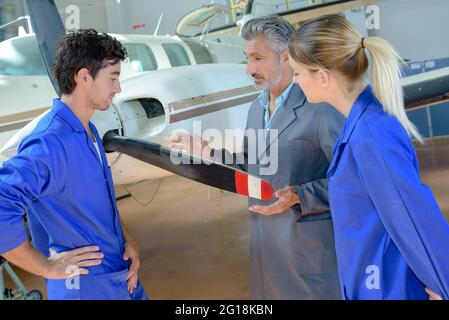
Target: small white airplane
(22, 70)
(26, 90)
(166, 84)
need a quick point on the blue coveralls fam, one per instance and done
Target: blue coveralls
(58, 179)
(391, 237)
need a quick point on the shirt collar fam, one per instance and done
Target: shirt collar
(359, 106)
(264, 97)
(67, 114)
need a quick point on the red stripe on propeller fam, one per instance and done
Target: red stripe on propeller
(266, 191)
(241, 183)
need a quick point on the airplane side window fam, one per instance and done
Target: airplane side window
(202, 54)
(141, 57)
(176, 54)
(21, 57)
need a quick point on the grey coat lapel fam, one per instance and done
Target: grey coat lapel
(286, 115)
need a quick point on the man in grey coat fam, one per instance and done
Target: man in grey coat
(292, 241)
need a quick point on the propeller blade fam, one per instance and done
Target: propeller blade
(48, 26)
(211, 173)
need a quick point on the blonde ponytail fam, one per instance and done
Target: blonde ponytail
(330, 42)
(385, 79)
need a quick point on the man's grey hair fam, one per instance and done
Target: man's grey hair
(273, 28)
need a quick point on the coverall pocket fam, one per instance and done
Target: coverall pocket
(64, 289)
(315, 247)
(108, 286)
(111, 286)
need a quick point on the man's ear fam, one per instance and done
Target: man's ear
(323, 77)
(82, 77)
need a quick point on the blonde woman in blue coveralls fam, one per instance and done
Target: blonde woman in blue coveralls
(391, 238)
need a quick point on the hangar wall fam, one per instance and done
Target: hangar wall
(133, 16)
(417, 28)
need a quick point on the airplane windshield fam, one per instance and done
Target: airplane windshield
(21, 57)
(210, 16)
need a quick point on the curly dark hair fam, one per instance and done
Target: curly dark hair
(84, 48)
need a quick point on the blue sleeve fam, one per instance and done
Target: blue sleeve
(388, 167)
(38, 170)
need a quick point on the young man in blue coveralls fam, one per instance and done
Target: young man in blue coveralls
(61, 178)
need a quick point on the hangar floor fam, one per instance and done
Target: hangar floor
(195, 241)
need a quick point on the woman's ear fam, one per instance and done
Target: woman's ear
(323, 78)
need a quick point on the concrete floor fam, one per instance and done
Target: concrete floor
(195, 241)
(192, 247)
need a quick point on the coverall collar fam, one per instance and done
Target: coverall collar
(68, 115)
(360, 104)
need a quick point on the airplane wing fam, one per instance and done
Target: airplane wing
(9, 149)
(426, 88)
